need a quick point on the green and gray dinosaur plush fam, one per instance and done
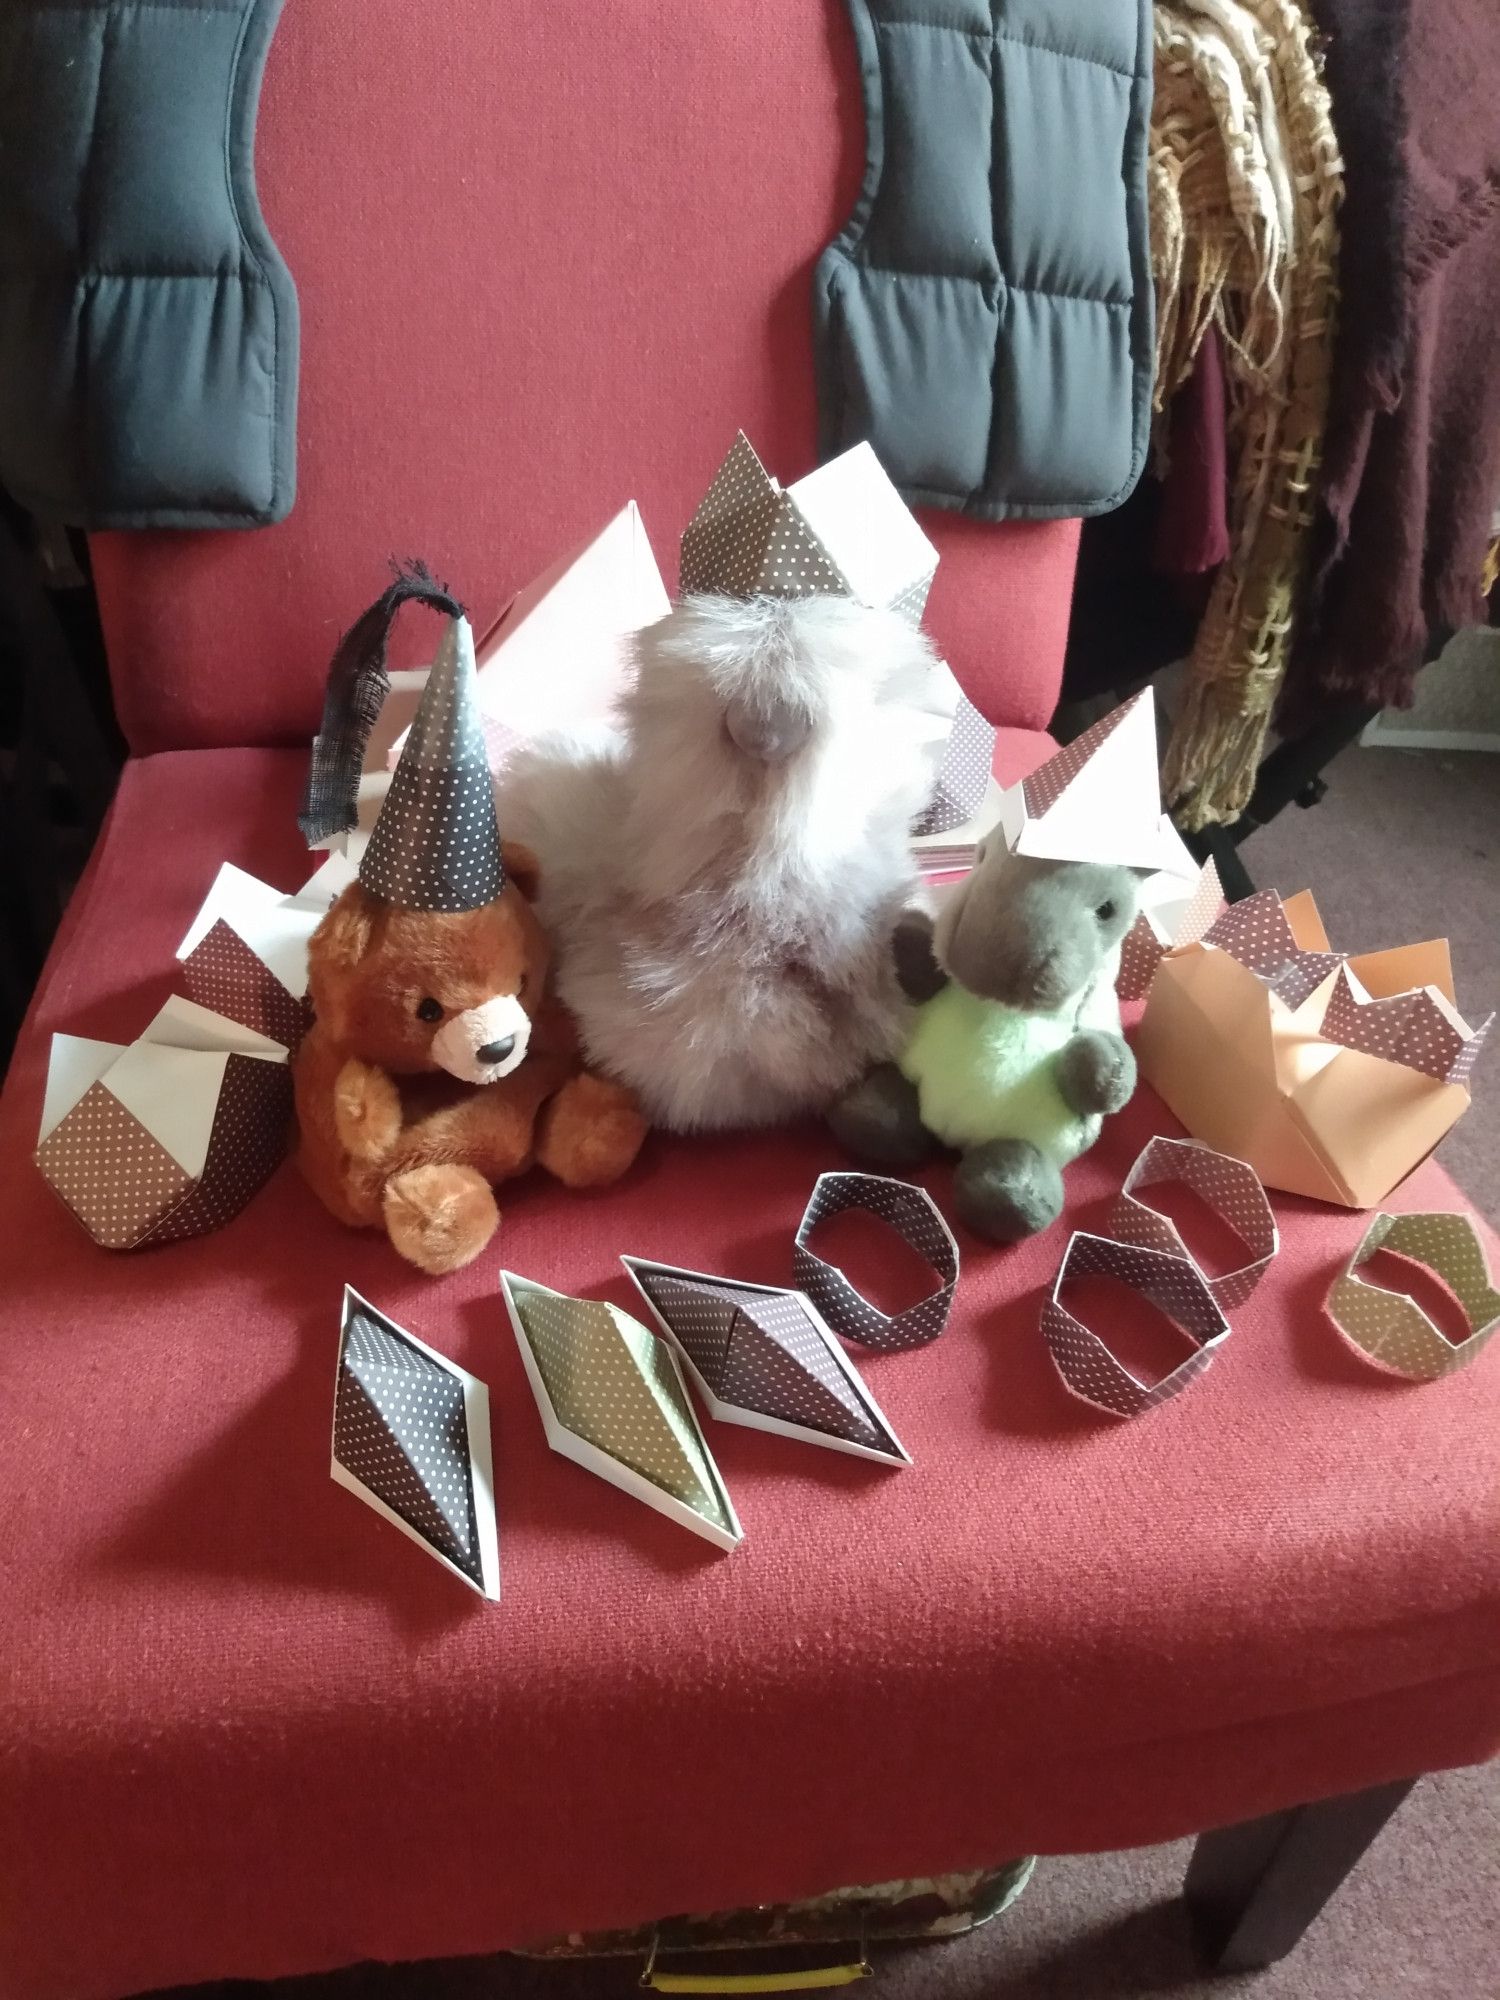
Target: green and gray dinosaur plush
(1016, 1054)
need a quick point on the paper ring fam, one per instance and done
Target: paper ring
(1389, 1330)
(1230, 1187)
(915, 1217)
(1088, 1366)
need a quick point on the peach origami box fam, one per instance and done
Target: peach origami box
(1332, 1076)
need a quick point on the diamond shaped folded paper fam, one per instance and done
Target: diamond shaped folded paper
(612, 1398)
(1330, 1076)
(169, 1137)
(411, 1438)
(762, 1356)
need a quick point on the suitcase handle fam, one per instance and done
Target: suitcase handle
(815, 1978)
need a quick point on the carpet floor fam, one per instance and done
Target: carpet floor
(1405, 846)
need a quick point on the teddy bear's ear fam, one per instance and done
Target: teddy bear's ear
(343, 937)
(521, 867)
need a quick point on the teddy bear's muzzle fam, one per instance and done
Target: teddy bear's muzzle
(484, 1043)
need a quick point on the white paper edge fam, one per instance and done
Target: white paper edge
(757, 1420)
(570, 1445)
(233, 896)
(74, 1066)
(180, 1023)
(481, 1462)
(172, 1093)
(325, 885)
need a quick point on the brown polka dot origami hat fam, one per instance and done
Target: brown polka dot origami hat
(436, 844)
(1099, 799)
(843, 531)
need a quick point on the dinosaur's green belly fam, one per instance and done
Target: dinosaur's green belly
(984, 1072)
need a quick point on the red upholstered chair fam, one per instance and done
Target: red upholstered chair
(549, 258)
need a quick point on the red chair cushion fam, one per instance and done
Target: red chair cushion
(247, 1729)
(549, 257)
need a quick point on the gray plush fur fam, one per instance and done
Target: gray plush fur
(721, 878)
(1031, 934)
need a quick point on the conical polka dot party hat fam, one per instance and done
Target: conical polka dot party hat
(436, 845)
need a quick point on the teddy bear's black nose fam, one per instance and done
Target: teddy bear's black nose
(496, 1052)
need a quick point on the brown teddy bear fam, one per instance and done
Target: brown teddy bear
(436, 1065)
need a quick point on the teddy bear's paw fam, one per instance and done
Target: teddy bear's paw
(440, 1218)
(589, 1134)
(366, 1111)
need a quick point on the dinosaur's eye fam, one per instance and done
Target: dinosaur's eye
(1106, 913)
(429, 1009)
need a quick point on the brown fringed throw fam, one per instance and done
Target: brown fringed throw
(1246, 180)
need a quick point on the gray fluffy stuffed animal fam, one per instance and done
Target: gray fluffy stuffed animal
(721, 878)
(1016, 1054)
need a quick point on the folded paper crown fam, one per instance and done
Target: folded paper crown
(169, 1137)
(843, 531)
(1332, 1076)
(1099, 799)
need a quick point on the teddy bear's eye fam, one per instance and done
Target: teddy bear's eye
(1105, 912)
(429, 1009)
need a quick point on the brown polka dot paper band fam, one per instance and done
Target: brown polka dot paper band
(1162, 927)
(612, 1398)
(762, 1356)
(1228, 1186)
(914, 1216)
(1089, 1368)
(411, 1438)
(844, 531)
(1389, 1329)
(1418, 1029)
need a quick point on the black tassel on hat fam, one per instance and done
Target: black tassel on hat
(358, 684)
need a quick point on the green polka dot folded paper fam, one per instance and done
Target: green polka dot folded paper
(611, 1397)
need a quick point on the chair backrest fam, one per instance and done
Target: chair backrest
(550, 256)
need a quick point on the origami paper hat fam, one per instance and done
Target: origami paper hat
(411, 1436)
(435, 845)
(612, 1399)
(843, 531)
(763, 1356)
(169, 1137)
(1099, 799)
(245, 953)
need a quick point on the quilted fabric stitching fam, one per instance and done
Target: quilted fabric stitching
(846, 283)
